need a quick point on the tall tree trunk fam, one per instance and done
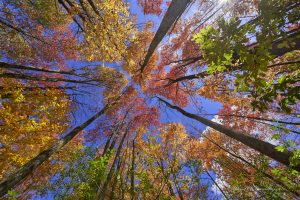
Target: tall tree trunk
(225, 196)
(132, 170)
(253, 166)
(72, 6)
(102, 190)
(166, 177)
(257, 118)
(177, 187)
(277, 127)
(46, 79)
(259, 145)
(12, 180)
(118, 172)
(73, 17)
(175, 10)
(107, 143)
(116, 132)
(22, 32)
(22, 67)
(292, 37)
(109, 146)
(92, 4)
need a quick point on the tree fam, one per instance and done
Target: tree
(151, 7)
(173, 13)
(234, 64)
(109, 21)
(261, 146)
(17, 176)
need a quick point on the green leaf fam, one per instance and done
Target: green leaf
(280, 148)
(276, 136)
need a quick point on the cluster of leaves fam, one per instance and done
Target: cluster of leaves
(151, 7)
(252, 61)
(108, 20)
(28, 122)
(82, 177)
(141, 157)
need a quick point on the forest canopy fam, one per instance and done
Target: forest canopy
(149, 99)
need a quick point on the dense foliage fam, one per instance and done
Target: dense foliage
(107, 99)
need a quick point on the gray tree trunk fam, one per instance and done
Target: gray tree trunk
(177, 7)
(16, 177)
(261, 146)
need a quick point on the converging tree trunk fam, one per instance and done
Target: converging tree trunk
(22, 67)
(177, 7)
(276, 50)
(132, 170)
(102, 190)
(213, 180)
(259, 145)
(16, 177)
(282, 184)
(45, 79)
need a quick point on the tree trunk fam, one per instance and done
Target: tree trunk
(46, 79)
(166, 177)
(257, 118)
(107, 143)
(73, 17)
(118, 172)
(92, 4)
(15, 66)
(12, 180)
(276, 51)
(254, 167)
(132, 170)
(177, 188)
(263, 147)
(175, 10)
(102, 190)
(225, 196)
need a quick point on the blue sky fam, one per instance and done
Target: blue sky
(93, 102)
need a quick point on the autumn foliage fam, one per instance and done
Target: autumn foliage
(98, 102)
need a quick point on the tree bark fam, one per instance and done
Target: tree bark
(293, 37)
(46, 79)
(118, 172)
(261, 146)
(73, 17)
(257, 118)
(107, 143)
(177, 187)
(225, 196)
(15, 66)
(175, 10)
(15, 178)
(132, 169)
(92, 4)
(253, 166)
(166, 177)
(102, 190)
